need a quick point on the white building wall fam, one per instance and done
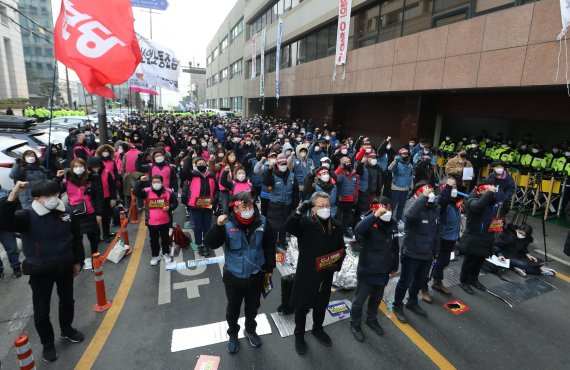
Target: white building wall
(13, 82)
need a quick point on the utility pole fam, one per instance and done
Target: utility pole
(102, 120)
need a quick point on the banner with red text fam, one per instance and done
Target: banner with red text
(344, 7)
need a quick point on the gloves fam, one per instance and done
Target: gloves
(304, 207)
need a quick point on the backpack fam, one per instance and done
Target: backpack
(180, 238)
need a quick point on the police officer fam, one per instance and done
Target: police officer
(53, 255)
(249, 251)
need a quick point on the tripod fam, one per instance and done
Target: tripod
(530, 205)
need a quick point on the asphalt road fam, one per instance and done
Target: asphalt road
(149, 303)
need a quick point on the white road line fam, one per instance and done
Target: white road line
(553, 257)
(220, 252)
(164, 293)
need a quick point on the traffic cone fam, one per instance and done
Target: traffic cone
(24, 352)
(134, 211)
(102, 303)
(125, 233)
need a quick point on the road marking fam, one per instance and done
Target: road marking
(164, 295)
(563, 277)
(433, 354)
(191, 287)
(96, 345)
(553, 257)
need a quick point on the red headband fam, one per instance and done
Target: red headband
(421, 189)
(376, 206)
(324, 170)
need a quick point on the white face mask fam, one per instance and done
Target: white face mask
(535, 151)
(325, 164)
(344, 151)
(454, 193)
(247, 214)
(30, 160)
(317, 149)
(388, 146)
(159, 159)
(325, 178)
(324, 213)
(272, 161)
(51, 203)
(386, 216)
(121, 150)
(499, 171)
(221, 155)
(240, 177)
(78, 170)
(283, 168)
(431, 197)
(327, 137)
(248, 143)
(193, 142)
(204, 145)
(373, 162)
(302, 154)
(567, 154)
(105, 154)
(520, 236)
(156, 186)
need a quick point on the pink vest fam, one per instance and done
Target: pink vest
(131, 158)
(86, 149)
(76, 194)
(241, 186)
(195, 187)
(205, 155)
(164, 172)
(157, 216)
(119, 162)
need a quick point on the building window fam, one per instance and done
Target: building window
(214, 53)
(417, 16)
(223, 45)
(322, 42)
(487, 5)
(214, 79)
(4, 15)
(367, 26)
(285, 57)
(236, 31)
(209, 59)
(390, 20)
(236, 68)
(223, 74)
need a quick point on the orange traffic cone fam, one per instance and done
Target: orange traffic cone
(24, 352)
(102, 303)
(134, 211)
(125, 233)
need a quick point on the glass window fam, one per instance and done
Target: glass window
(302, 51)
(445, 5)
(293, 49)
(294, 3)
(351, 32)
(280, 7)
(257, 66)
(483, 5)
(248, 69)
(322, 42)
(269, 16)
(311, 47)
(263, 24)
(272, 61)
(4, 15)
(368, 23)
(285, 57)
(333, 28)
(456, 17)
(390, 19)
(417, 16)
(287, 5)
(274, 12)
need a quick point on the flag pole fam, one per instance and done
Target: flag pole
(48, 151)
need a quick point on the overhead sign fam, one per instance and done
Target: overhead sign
(150, 4)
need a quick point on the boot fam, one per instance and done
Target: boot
(425, 296)
(201, 251)
(300, 345)
(400, 315)
(438, 285)
(207, 251)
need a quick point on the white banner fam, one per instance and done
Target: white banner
(344, 7)
(565, 15)
(262, 65)
(158, 65)
(278, 56)
(138, 82)
(253, 57)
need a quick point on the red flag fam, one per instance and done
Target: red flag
(97, 40)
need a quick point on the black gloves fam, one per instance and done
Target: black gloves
(304, 207)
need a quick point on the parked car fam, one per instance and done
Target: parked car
(10, 150)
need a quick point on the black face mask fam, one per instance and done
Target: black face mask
(202, 168)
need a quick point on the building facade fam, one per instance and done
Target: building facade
(414, 67)
(38, 49)
(12, 71)
(197, 92)
(225, 63)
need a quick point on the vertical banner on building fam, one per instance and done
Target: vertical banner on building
(278, 58)
(262, 65)
(344, 7)
(565, 15)
(253, 57)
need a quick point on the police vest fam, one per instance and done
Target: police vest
(243, 258)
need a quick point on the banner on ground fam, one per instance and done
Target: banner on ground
(159, 65)
(98, 44)
(262, 65)
(278, 57)
(253, 57)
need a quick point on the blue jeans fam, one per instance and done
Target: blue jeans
(8, 241)
(202, 221)
(413, 276)
(399, 198)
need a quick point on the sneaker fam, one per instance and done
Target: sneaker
(438, 285)
(17, 274)
(466, 288)
(167, 258)
(376, 327)
(400, 315)
(233, 345)
(414, 307)
(547, 272)
(425, 296)
(322, 337)
(478, 285)
(254, 339)
(154, 261)
(73, 336)
(49, 354)
(300, 345)
(357, 333)
(207, 252)
(519, 271)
